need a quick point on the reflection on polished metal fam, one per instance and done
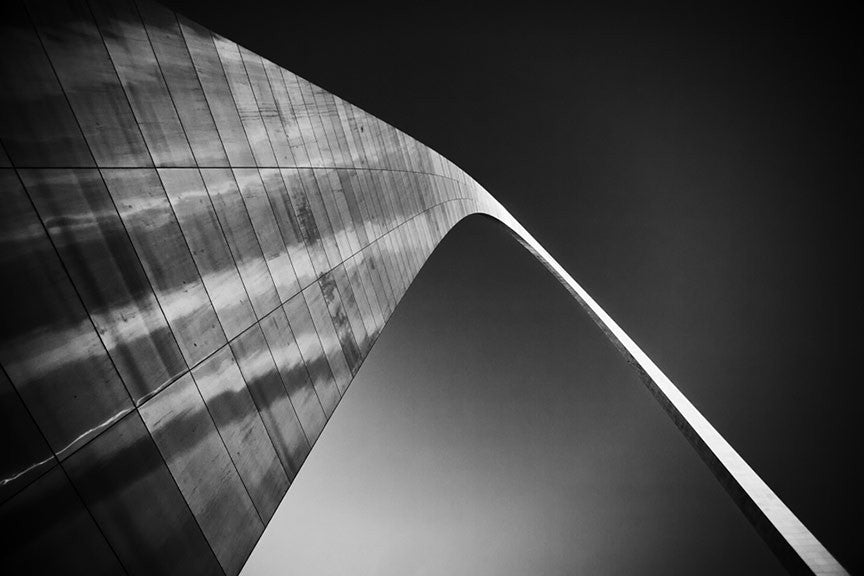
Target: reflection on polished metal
(198, 250)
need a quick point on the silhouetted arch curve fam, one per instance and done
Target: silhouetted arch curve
(199, 248)
(798, 550)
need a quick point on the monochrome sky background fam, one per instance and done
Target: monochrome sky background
(699, 171)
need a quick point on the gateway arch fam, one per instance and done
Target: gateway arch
(199, 248)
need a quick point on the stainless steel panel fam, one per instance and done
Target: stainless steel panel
(203, 234)
(325, 111)
(426, 243)
(391, 145)
(269, 394)
(53, 533)
(391, 157)
(329, 339)
(359, 267)
(402, 188)
(141, 77)
(368, 308)
(382, 154)
(98, 255)
(37, 126)
(350, 305)
(420, 184)
(375, 204)
(378, 267)
(238, 81)
(335, 216)
(389, 202)
(320, 217)
(240, 426)
(399, 146)
(419, 244)
(379, 156)
(356, 157)
(357, 130)
(405, 249)
(24, 454)
(361, 126)
(160, 245)
(402, 141)
(281, 204)
(90, 82)
(266, 106)
(348, 222)
(301, 388)
(403, 206)
(324, 147)
(399, 252)
(304, 121)
(342, 322)
(335, 126)
(240, 234)
(267, 231)
(199, 462)
(369, 199)
(411, 250)
(306, 334)
(215, 86)
(394, 266)
(390, 266)
(377, 293)
(286, 114)
(128, 489)
(388, 214)
(412, 183)
(439, 190)
(349, 187)
(428, 240)
(306, 220)
(182, 82)
(48, 346)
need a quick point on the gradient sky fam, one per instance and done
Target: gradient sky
(699, 172)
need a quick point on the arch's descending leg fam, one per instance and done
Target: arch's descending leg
(199, 249)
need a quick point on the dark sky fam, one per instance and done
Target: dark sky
(699, 172)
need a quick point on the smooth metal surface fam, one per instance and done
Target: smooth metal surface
(271, 398)
(240, 236)
(211, 76)
(311, 350)
(29, 456)
(90, 82)
(199, 249)
(92, 242)
(141, 77)
(198, 460)
(144, 208)
(183, 84)
(37, 125)
(250, 116)
(131, 494)
(54, 532)
(49, 347)
(296, 378)
(209, 249)
(239, 423)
